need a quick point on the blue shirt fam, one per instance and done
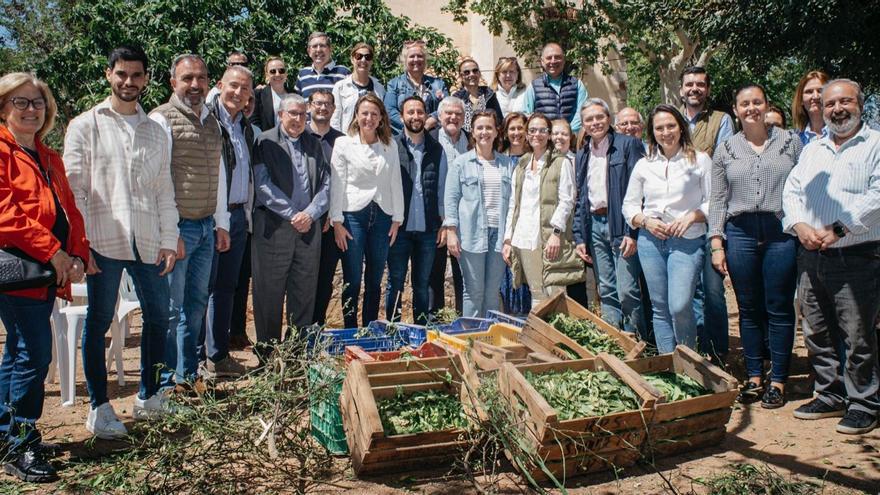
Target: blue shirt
(415, 222)
(308, 80)
(301, 196)
(556, 84)
(238, 190)
(807, 136)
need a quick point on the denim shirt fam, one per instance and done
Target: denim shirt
(400, 88)
(464, 201)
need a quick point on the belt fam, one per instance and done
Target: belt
(600, 211)
(863, 249)
(235, 206)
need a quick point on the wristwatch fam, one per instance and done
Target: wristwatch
(557, 231)
(839, 229)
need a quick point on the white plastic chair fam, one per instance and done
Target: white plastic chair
(68, 332)
(119, 328)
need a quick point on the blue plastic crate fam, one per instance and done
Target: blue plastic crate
(408, 333)
(370, 339)
(505, 318)
(466, 325)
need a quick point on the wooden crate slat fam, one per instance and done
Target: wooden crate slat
(690, 443)
(690, 425)
(568, 447)
(392, 390)
(382, 367)
(712, 377)
(414, 376)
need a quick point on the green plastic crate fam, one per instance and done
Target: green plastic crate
(324, 413)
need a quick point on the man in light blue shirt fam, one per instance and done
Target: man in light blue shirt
(556, 94)
(831, 200)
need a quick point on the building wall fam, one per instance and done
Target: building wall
(472, 38)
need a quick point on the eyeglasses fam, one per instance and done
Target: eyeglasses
(468, 72)
(278, 71)
(363, 56)
(322, 104)
(295, 114)
(22, 103)
(534, 131)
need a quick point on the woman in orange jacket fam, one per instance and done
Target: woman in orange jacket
(38, 216)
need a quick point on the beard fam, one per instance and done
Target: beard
(415, 127)
(192, 100)
(842, 125)
(125, 98)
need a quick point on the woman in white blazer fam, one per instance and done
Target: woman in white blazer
(347, 91)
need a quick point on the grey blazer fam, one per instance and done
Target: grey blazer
(275, 186)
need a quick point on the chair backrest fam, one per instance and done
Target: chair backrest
(126, 288)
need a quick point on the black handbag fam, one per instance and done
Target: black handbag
(19, 271)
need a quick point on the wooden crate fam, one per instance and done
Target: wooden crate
(539, 333)
(580, 445)
(689, 424)
(374, 452)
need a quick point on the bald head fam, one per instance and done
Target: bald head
(553, 59)
(629, 121)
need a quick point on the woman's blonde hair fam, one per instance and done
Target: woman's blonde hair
(384, 130)
(800, 118)
(10, 82)
(413, 44)
(503, 64)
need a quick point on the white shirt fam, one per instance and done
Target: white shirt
(837, 185)
(669, 189)
(345, 97)
(361, 173)
(597, 174)
(121, 181)
(526, 234)
(276, 105)
(221, 214)
(514, 101)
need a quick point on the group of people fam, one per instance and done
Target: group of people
(521, 187)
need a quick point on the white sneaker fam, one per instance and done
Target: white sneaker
(103, 423)
(153, 406)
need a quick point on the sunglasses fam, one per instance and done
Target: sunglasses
(277, 71)
(363, 56)
(22, 103)
(468, 72)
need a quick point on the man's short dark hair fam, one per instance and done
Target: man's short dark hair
(695, 69)
(413, 98)
(322, 92)
(128, 53)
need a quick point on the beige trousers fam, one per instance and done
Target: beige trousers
(533, 265)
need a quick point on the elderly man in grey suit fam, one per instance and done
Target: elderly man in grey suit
(292, 187)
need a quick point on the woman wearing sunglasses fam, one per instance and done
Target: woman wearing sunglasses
(477, 97)
(347, 91)
(268, 98)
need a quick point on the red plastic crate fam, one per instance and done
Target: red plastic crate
(426, 350)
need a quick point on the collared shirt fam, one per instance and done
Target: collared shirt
(221, 214)
(451, 151)
(513, 101)
(238, 190)
(831, 184)
(597, 174)
(526, 234)
(669, 188)
(121, 181)
(725, 130)
(297, 160)
(746, 181)
(556, 84)
(361, 173)
(415, 222)
(808, 136)
(309, 79)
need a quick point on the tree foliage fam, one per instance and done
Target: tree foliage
(66, 42)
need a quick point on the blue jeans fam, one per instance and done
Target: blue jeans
(710, 307)
(418, 247)
(188, 283)
(618, 280)
(482, 274)
(103, 290)
(225, 271)
(672, 268)
(365, 257)
(762, 262)
(24, 367)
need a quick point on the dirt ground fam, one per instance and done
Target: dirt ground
(806, 450)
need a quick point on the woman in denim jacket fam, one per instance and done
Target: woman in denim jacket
(477, 198)
(414, 81)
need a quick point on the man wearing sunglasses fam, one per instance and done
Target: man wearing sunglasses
(323, 73)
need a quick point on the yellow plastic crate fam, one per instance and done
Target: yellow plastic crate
(499, 334)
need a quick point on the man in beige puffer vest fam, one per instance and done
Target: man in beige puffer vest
(199, 179)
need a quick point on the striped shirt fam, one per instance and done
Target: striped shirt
(492, 192)
(308, 80)
(744, 181)
(121, 182)
(831, 184)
